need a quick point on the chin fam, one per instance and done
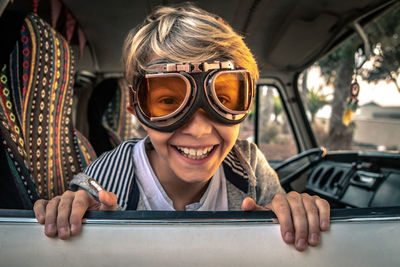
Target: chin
(189, 178)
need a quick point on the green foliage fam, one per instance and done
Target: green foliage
(270, 133)
(315, 101)
(277, 107)
(329, 65)
(337, 69)
(385, 38)
(251, 113)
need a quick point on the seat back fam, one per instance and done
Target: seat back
(42, 148)
(109, 121)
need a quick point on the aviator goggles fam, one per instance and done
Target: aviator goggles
(168, 94)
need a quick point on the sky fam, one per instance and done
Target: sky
(382, 93)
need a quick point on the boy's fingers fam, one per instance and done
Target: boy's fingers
(313, 220)
(281, 208)
(324, 212)
(50, 227)
(299, 220)
(109, 201)
(63, 213)
(249, 204)
(40, 210)
(80, 205)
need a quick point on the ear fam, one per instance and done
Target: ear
(131, 110)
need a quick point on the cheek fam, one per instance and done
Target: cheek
(159, 143)
(158, 139)
(229, 134)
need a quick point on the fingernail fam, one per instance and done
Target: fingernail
(62, 232)
(50, 228)
(301, 244)
(73, 228)
(314, 238)
(40, 218)
(324, 225)
(289, 238)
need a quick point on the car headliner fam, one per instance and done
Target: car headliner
(285, 35)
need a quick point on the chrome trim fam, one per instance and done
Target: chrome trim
(201, 221)
(369, 219)
(178, 221)
(18, 220)
(229, 221)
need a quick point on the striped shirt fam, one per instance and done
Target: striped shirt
(246, 169)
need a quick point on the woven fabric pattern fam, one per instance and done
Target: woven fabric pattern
(117, 120)
(36, 112)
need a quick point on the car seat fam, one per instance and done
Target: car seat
(40, 151)
(109, 121)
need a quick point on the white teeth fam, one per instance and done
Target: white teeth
(195, 153)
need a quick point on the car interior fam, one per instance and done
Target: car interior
(63, 95)
(326, 115)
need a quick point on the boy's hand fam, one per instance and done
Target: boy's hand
(63, 214)
(302, 217)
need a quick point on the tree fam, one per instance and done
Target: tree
(277, 108)
(315, 101)
(385, 36)
(338, 69)
(266, 110)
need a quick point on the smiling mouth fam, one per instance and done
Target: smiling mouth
(195, 153)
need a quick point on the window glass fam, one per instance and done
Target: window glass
(275, 137)
(371, 119)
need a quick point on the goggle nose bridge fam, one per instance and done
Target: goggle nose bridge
(201, 99)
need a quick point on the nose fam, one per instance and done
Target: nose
(199, 124)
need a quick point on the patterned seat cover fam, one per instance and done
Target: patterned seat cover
(109, 121)
(40, 144)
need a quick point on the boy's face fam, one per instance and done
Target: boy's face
(191, 112)
(193, 152)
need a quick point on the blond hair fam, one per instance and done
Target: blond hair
(184, 33)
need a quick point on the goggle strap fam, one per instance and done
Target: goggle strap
(132, 96)
(190, 67)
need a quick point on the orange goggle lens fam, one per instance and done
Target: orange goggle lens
(163, 94)
(233, 90)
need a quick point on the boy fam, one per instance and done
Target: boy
(192, 82)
